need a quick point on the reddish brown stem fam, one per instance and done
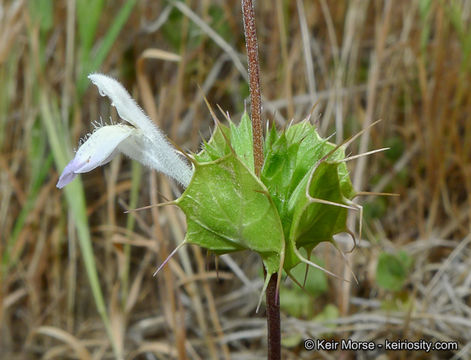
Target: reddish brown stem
(273, 320)
(254, 82)
(273, 307)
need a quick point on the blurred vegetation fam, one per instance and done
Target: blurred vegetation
(76, 271)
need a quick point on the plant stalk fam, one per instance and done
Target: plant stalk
(273, 320)
(254, 83)
(273, 307)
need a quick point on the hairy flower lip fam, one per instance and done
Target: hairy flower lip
(139, 138)
(100, 148)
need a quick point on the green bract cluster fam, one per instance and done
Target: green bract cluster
(301, 198)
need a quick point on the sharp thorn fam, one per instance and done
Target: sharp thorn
(368, 193)
(364, 154)
(168, 258)
(306, 261)
(327, 202)
(150, 207)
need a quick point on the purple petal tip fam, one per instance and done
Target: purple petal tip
(67, 175)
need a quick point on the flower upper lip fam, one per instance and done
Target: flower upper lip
(142, 141)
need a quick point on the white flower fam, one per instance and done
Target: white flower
(143, 141)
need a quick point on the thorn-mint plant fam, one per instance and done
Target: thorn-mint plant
(300, 200)
(279, 195)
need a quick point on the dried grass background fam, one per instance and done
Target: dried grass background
(405, 61)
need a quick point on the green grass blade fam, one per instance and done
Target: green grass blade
(76, 200)
(88, 16)
(93, 63)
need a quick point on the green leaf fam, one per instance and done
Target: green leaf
(290, 157)
(217, 147)
(311, 149)
(392, 270)
(242, 141)
(314, 222)
(270, 139)
(239, 138)
(278, 171)
(301, 199)
(228, 209)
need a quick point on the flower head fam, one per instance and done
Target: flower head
(142, 140)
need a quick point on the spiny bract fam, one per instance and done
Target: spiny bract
(300, 200)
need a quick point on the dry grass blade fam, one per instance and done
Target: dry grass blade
(373, 80)
(159, 54)
(136, 285)
(10, 25)
(117, 319)
(170, 291)
(156, 347)
(80, 350)
(311, 79)
(211, 275)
